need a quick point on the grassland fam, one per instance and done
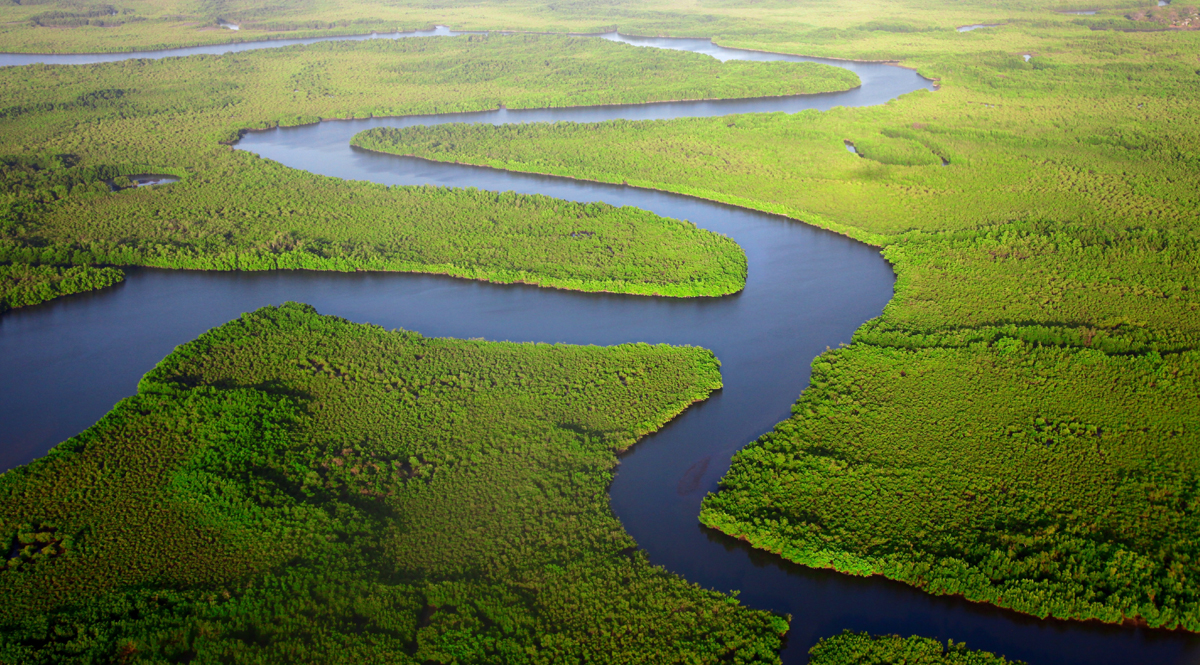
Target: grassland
(1019, 426)
(68, 131)
(294, 487)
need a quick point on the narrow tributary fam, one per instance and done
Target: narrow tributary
(65, 363)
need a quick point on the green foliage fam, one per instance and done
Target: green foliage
(895, 150)
(498, 237)
(1058, 481)
(23, 284)
(861, 649)
(235, 211)
(297, 488)
(996, 119)
(103, 16)
(1160, 18)
(1030, 381)
(1019, 426)
(1121, 23)
(894, 26)
(1137, 280)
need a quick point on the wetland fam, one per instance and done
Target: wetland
(806, 289)
(1048, 255)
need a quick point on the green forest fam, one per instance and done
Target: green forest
(22, 284)
(863, 649)
(68, 132)
(1019, 427)
(292, 486)
(1054, 480)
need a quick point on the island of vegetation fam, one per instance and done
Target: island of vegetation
(70, 131)
(1021, 426)
(23, 284)
(295, 487)
(862, 649)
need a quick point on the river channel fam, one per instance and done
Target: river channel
(65, 363)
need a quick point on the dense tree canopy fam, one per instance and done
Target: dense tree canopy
(291, 487)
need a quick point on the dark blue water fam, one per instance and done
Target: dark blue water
(66, 362)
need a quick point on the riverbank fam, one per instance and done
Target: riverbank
(1026, 242)
(231, 211)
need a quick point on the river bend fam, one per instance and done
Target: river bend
(66, 362)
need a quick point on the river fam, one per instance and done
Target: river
(66, 362)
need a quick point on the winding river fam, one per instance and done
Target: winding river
(65, 363)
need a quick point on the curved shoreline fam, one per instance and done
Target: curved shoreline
(800, 217)
(250, 130)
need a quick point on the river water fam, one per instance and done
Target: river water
(66, 362)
